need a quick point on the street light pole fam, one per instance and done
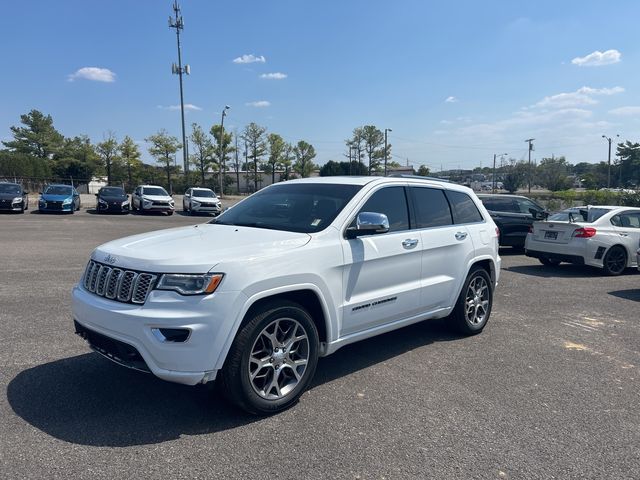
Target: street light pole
(609, 140)
(529, 141)
(178, 24)
(385, 149)
(220, 173)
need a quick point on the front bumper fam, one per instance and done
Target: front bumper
(206, 208)
(116, 207)
(158, 208)
(209, 319)
(8, 206)
(55, 207)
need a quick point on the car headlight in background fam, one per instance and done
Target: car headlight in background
(17, 200)
(67, 201)
(102, 201)
(125, 203)
(186, 284)
(195, 203)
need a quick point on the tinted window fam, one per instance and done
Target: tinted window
(524, 205)
(112, 191)
(202, 193)
(155, 191)
(432, 208)
(393, 203)
(630, 220)
(497, 204)
(58, 190)
(10, 188)
(464, 209)
(294, 207)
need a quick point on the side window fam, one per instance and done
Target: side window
(464, 209)
(391, 201)
(630, 220)
(524, 205)
(432, 208)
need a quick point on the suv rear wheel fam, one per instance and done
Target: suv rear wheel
(272, 359)
(473, 307)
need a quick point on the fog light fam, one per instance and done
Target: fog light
(171, 335)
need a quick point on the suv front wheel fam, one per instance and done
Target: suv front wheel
(272, 359)
(473, 307)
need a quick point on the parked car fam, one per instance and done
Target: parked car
(513, 214)
(59, 198)
(601, 236)
(13, 197)
(291, 273)
(112, 199)
(152, 198)
(196, 200)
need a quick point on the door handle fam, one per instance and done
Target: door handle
(461, 235)
(410, 242)
(624, 234)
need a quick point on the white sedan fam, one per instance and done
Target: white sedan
(600, 236)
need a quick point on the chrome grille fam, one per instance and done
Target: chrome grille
(117, 284)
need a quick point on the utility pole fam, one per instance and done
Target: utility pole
(609, 140)
(529, 141)
(177, 23)
(385, 149)
(237, 165)
(493, 183)
(220, 166)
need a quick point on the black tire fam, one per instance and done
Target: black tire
(170, 212)
(235, 381)
(550, 262)
(478, 278)
(614, 261)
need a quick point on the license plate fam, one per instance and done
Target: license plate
(551, 235)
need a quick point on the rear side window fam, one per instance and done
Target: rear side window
(431, 206)
(391, 201)
(498, 204)
(464, 209)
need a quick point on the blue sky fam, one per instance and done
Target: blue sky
(457, 81)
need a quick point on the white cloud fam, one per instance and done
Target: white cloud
(451, 100)
(258, 104)
(446, 122)
(187, 107)
(274, 76)
(598, 58)
(625, 111)
(250, 58)
(580, 98)
(95, 74)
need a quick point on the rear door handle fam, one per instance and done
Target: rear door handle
(461, 235)
(410, 242)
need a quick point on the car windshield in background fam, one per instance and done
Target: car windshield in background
(155, 191)
(112, 191)
(9, 188)
(58, 190)
(585, 215)
(203, 193)
(302, 207)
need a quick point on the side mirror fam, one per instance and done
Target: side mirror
(97, 194)
(39, 193)
(368, 223)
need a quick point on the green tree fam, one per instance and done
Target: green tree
(163, 148)
(515, 175)
(629, 163)
(286, 161)
(332, 169)
(423, 171)
(76, 158)
(108, 152)
(37, 137)
(373, 145)
(277, 147)
(203, 150)
(14, 164)
(304, 154)
(254, 136)
(552, 173)
(130, 155)
(227, 149)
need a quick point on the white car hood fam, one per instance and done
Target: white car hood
(157, 198)
(195, 249)
(205, 199)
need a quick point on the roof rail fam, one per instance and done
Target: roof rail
(405, 175)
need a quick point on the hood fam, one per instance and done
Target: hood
(55, 198)
(196, 249)
(206, 199)
(113, 198)
(9, 196)
(157, 198)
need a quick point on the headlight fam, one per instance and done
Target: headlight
(125, 203)
(67, 201)
(102, 201)
(17, 200)
(190, 284)
(195, 203)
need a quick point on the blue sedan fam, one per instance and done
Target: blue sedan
(59, 198)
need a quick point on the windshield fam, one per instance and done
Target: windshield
(298, 207)
(58, 190)
(112, 191)
(155, 191)
(9, 188)
(579, 214)
(203, 193)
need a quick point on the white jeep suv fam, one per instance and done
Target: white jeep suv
(290, 274)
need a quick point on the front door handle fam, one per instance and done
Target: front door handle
(410, 242)
(461, 235)
(624, 234)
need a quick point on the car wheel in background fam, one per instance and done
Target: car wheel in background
(473, 308)
(614, 261)
(272, 359)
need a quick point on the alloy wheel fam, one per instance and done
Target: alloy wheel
(477, 301)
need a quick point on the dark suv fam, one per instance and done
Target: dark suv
(513, 214)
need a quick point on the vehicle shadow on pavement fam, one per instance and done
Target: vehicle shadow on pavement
(631, 294)
(88, 400)
(563, 270)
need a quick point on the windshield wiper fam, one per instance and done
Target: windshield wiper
(251, 225)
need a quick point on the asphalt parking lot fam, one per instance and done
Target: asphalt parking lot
(551, 389)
